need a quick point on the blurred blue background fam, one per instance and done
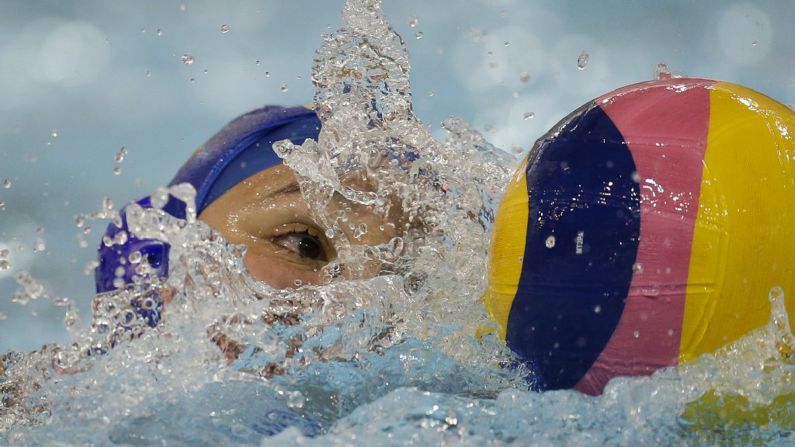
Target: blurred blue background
(81, 79)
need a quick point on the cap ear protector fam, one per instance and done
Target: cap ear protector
(241, 149)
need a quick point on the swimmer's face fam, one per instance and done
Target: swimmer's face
(286, 246)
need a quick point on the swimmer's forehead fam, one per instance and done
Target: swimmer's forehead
(273, 181)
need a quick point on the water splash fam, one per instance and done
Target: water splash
(385, 350)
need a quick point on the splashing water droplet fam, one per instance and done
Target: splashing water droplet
(182, 7)
(159, 32)
(7, 183)
(528, 115)
(117, 170)
(257, 63)
(524, 76)
(582, 60)
(636, 334)
(120, 154)
(224, 29)
(506, 43)
(419, 35)
(550, 241)
(4, 265)
(187, 59)
(413, 21)
(662, 72)
(295, 399)
(148, 73)
(267, 74)
(54, 133)
(284, 88)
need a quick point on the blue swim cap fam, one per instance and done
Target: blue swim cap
(241, 149)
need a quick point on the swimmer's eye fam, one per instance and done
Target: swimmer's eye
(304, 244)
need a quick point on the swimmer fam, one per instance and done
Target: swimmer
(245, 192)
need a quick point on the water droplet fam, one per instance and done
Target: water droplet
(267, 74)
(635, 177)
(187, 59)
(550, 241)
(597, 309)
(120, 154)
(7, 183)
(54, 133)
(148, 73)
(143, 30)
(257, 63)
(582, 61)
(524, 76)
(284, 87)
(636, 334)
(418, 35)
(4, 265)
(754, 43)
(413, 21)
(182, 7)
(430, 93)
(662, 72)
(117, 170)
(224, 29)
(192, 80)
(298, 283)
(159, 32)
(507, 43)
(528, 115)
(4, 253)
(39, 246)
(295, 399)
(2, 316)
(637, 267)
(205, 71)
(135, 257)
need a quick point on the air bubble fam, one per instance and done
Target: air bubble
(582, 60)
(187, 59)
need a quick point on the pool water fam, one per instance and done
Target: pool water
(405, 357)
